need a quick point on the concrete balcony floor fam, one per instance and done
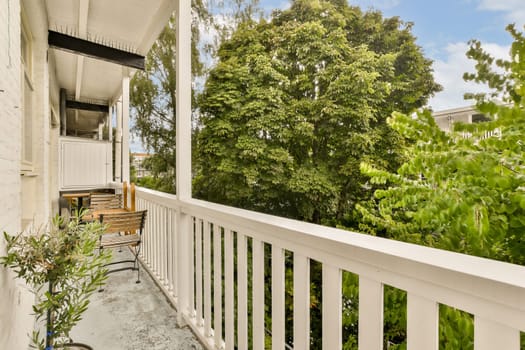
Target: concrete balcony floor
(131, 316)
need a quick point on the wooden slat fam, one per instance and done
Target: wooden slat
(490, 335)
(278, 310)
(370, 314)
(332, 312)
(422, 323)
(198, 270)
(242, 293)
(228, 285)
(217, 285)
(207, 279)
(301, 301)
(258, 294)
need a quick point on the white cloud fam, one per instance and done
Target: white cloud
(449, 73)
(514, 10)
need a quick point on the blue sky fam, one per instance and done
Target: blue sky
(443, 29)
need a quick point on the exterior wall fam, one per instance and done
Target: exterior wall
(446, 118)
(35, 186)
(15, 301)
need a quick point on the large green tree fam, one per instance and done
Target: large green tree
(462, 191)
(153, 96)
(295, 104)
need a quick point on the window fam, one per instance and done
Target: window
(26, 55)
(480, 118)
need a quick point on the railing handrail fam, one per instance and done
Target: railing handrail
(482, 286)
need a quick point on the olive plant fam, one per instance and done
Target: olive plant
(62, 267)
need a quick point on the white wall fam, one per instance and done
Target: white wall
(15, 301)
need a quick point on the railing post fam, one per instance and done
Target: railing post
(493, 335)
(184, 279)
(422, 323)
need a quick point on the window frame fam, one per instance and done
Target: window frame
(26, 73)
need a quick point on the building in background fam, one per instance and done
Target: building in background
(138, 164)
(447, 117)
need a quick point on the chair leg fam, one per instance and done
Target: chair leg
(100, 289)
(136, 263)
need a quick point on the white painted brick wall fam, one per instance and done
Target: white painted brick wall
(15, 301)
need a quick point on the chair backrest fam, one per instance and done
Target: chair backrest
(131, 221)
(105, 201)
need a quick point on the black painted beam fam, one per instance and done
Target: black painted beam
(85, 106)
(94, 50)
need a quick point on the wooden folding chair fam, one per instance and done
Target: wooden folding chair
(117, 224)
(100, 201)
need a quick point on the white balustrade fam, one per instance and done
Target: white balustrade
(220, 245)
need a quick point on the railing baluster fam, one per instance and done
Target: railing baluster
(164, 246)
(198, 270)
(242, 293)
(217, 285)
(489, 335)
(228, 284)
(155, 255)
(332, 312)
(278, 315)
(207, 279)
(422, 323)
(171, 247)
(191, 234)
(258, 294)
(175, 233)
(370, 314)
(301, 302)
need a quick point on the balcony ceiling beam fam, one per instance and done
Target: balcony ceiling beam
(86, 106)
(91, 49)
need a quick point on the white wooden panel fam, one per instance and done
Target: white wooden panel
(217, 285)
(301, 302)
(198, 270)
(422, 323)
(258, 294)
(84, 163)
(228, 285)
(207, 280)
(332, 312)
(242, 293)
(278, 310)
(191, 264)
(489, 335)
(370, 314)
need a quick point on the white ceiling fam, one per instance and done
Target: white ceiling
(130, 25)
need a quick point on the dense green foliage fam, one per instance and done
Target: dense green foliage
(63, 269)
(462, 191)
(295, 104)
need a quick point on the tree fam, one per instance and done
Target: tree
(461, 194)
(153, 96)
(296, 103)
(153, 91)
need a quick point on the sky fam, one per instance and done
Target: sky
(443, 29)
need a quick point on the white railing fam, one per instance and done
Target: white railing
(180, 250)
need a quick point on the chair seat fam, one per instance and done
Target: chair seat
(109, 241)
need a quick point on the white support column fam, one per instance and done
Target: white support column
(183, 149)
(118, 143)
(183, 141)
(125, 127)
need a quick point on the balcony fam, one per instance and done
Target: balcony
(220, 293)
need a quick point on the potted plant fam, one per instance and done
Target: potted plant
(63, 268)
